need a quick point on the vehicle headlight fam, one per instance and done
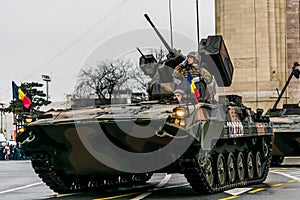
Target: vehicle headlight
(180, 112)
(21, 130)
(28, 120)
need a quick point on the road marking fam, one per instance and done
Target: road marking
(61, 195)
(287, 175)
(256, 190)
(228, 198)
(144, 194)
(20, 188)
(119, 196)
(292, 181)
(174, 186)
(279, 169)
(161, 184)
(164, 181)
(141, 196)
(277, 185)
(237, 191)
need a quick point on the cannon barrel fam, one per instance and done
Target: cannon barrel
(286, 84)
(171, 51)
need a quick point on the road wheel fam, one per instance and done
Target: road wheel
(258, 164)
(208, 170)
(240, 166)
(250, 165)
(265, 148)
(231, 168)
(221, 172)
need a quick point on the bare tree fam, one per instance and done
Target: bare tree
(139, 78)
(103, 79)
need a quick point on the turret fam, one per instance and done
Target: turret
(214, 57)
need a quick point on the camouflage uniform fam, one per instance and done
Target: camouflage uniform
(205, 78)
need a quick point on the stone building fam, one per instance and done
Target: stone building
(262, 37)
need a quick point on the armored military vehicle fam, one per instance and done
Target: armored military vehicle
(286, 124)
(217, 146)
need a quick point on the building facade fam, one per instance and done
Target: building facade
(262, 37)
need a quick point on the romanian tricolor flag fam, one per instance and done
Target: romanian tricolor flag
(193, 86)
(19, 94)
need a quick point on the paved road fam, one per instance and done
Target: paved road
(18, 181)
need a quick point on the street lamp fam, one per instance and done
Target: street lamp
(1, 109)
(46, 78)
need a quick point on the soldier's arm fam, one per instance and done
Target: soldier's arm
(177, 71)
(205, 75)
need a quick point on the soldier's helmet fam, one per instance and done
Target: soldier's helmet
(195, 55)
(179, 91)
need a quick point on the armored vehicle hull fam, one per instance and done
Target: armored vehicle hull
(285, 120)
(286, 124)
(113, 146)
(216, 145)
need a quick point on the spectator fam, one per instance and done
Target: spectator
(7, 155)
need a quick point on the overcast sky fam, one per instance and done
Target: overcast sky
(55, 37)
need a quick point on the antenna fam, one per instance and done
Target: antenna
(171, 29)
(198, 36)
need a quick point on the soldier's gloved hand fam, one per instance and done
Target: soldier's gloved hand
(184, 63)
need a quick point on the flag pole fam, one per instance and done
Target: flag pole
(198, 34)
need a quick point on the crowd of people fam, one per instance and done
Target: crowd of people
(11, 152)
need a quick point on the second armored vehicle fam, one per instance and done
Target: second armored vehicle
(286, 124)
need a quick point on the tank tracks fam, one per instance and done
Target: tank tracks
(230, 164)
(244, 162)
(63, 183)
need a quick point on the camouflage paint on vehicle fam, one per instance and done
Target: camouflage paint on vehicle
(216, 145)
(286, 126)
(285, 121)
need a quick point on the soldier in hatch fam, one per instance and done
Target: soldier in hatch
(199, 74)
(178, 94)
